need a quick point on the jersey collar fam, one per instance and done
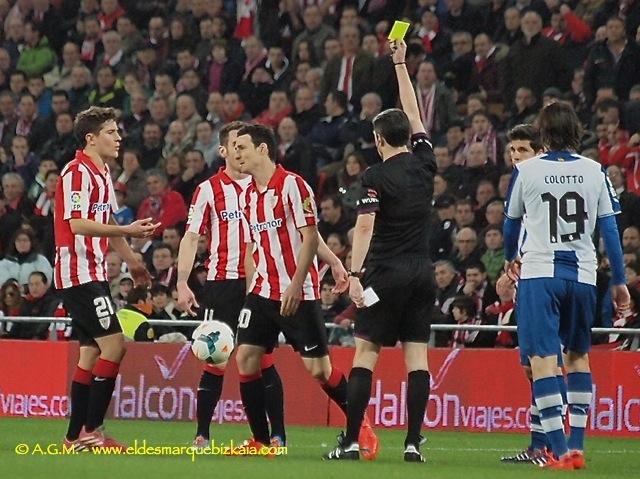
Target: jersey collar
(559, 156)
(227, 180)
(86, 160)
(276, 179)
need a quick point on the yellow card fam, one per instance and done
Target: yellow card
(399, 30)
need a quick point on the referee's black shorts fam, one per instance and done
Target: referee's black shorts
(92, 311)
(407, 290)
(223, 300)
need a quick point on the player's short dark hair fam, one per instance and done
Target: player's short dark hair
(261, 134)
(91, 121)
(393, 125)
(137, 295)
(465, 304)
(526, 132)
(42, 276)
(560, 127)
(227, 129)
(479, 265)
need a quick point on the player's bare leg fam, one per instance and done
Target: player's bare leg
(418, 386)
(359, 392)
(80, 387)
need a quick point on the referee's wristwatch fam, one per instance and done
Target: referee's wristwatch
(356, 274)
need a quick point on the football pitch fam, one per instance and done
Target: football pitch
(449, 455)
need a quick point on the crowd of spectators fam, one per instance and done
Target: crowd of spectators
(317, 72)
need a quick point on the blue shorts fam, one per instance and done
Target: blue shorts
(525, 361)
(552, 313)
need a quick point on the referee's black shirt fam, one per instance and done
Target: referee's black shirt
(399, 190)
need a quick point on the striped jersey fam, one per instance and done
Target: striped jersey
(215, 210)
(563, 194)
(275, 215)
(83, 191)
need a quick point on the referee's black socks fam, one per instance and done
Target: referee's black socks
(359, 391)
(252, 394)
(417, 397)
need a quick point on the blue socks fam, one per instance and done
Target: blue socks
(579, 397)
(549, 402)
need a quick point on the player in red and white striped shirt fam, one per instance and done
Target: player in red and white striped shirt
(216, 212)
(283, 280)
(84, 230)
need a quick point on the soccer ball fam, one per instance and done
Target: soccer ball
(213, 342)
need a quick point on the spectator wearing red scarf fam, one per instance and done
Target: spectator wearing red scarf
(110, 11)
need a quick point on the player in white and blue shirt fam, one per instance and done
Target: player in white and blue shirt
(564, 196)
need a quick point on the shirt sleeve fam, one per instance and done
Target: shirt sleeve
(303, 205)
(423, 149)
(112, 195)
(608, 203)
(370, 200)
(199, 216)
(76, 188)
(514, 204)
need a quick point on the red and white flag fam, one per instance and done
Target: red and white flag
(247, 10)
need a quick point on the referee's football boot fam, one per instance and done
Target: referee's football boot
(412, 453)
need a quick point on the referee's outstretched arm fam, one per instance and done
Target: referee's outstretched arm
(407, 94)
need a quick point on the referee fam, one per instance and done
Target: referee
(393, 287)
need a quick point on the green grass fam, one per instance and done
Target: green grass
(449, 455)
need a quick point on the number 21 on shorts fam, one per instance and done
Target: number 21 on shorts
(104, 310)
